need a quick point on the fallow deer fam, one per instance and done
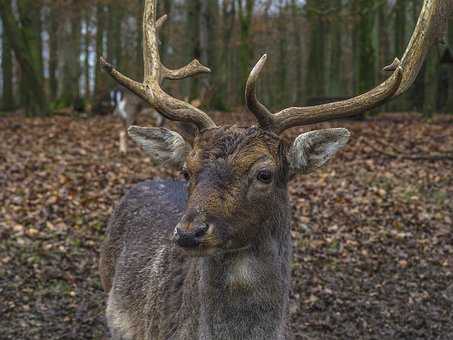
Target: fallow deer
(209, 257)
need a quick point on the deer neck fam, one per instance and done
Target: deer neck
(244, 294)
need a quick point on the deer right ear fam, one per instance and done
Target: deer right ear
(313, 149)
(162, 145)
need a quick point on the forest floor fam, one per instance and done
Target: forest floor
(372, 232)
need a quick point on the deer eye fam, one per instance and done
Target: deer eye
(185, 174)
(264, 176)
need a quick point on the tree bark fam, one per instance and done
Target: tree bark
(431, 83)
(71, 50)
(450, 68)
(367, 60)
(283, 88)
(193, 43)
(316, 71)
(53, 51)
(7, 72)
(37, 103)
(99, 80)
(335, 87)
(245, 10)
(87, 44)
(295, 12)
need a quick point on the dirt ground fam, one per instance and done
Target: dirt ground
(372, 230)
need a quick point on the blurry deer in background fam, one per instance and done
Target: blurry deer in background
(210, 257)
(127, 106)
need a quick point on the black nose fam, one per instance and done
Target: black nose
(190, 239)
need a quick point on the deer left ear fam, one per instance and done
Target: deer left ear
(162, 145)
(313, 149)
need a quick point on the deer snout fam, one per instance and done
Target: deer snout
(190, 238)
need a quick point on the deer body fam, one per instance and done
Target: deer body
(159, 292)
(209, 258)
(175, 297)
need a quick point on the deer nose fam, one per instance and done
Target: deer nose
(192, 238)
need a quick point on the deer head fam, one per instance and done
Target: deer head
(237, 177)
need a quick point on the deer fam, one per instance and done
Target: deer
(209, 256)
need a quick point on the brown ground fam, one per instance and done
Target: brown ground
(373, 234)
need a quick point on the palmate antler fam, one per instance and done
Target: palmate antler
(155, 72)
(431, 23)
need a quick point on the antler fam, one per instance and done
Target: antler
(432, 21)
(155, 72)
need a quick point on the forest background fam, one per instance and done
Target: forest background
(319, 50)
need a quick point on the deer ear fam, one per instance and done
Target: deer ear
(313, 149)
(162, 145)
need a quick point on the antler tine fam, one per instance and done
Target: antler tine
(263, 115)
(297, 116)
(431, 23)
(430, 26)
(155, 72)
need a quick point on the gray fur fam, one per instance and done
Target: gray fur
(160, 293)
(240, 290)
(162, 145)
(313, 149)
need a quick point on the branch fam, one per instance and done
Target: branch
(400, 155)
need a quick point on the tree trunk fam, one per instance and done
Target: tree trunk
(99, 80)
(431, 83)
(139, 29)
(71, 50)
(7, 72)
(245, 10)
(298, 46)
(87, 43)
(450, 68)
(316, 72)
(283, 88)
(216, 80)
(166, 9)
(53, 51)
(335, 86)
(367, 61)
(37, 101)
(400, 42)
(193, 48)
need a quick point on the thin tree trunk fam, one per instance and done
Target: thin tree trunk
(283, 87)
(401, 11)
(216, 85)
(71, 50)
(7, 72)
(316, 72)
(450, 71)
(295, 11)
(37, 104)
(193, 48)
(245, 10)
(334, 84)
(431, 83)
(87, 43)
(53, 51)
(100, 30)
(367, 61)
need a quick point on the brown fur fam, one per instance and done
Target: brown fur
(235, 283)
